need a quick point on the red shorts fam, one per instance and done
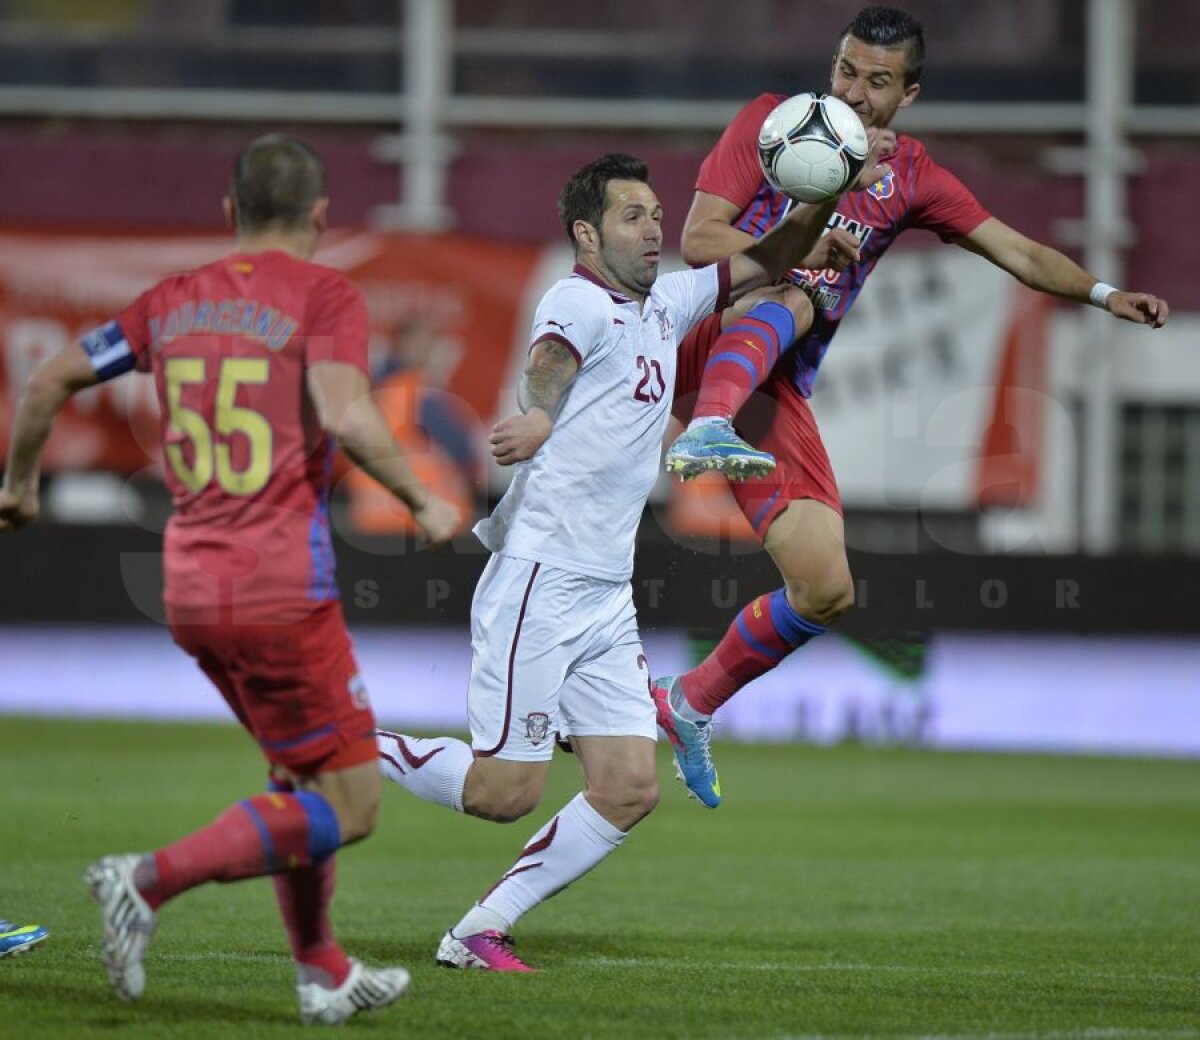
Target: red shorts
(775, 419)
(295, 687)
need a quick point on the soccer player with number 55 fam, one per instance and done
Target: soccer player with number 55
(260, 364)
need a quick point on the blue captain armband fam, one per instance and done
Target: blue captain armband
(109, 351)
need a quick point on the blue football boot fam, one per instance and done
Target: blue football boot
(715, 445)
(20, 938)
(692, 743)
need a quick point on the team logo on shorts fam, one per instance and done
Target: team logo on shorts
(358, 693)
(884, 188)
(537, 727)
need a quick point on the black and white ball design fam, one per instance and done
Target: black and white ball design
(812, 147)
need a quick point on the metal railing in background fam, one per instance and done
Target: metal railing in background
(1159, 478)
(1106, 237)
(417, 121)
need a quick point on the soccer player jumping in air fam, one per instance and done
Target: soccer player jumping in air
(796, 511)
(260, 362)
(554, 638)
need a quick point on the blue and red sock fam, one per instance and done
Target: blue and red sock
(742, 358)
(293, 836)
(763, 634)
(265, 834)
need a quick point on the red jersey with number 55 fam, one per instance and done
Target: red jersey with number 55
(246, 462)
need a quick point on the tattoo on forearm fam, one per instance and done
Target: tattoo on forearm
(546, 378)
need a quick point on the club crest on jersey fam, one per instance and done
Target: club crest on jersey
(884, 188)
(358, 692)
(664, 323)
(537, 727)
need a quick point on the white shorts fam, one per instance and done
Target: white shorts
(553, 652)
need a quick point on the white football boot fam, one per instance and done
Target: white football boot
(128, 922)
(365, 989)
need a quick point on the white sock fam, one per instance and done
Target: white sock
(434, 769)
(682, 706)
(480, 919)
(565, 849)
(705, 420)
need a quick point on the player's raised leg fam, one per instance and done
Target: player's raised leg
(621, 788)
(741, 359)
(807, 542)
(445, 771)
(433, 768)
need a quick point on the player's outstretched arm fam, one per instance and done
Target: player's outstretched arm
(47, 390)
(1049, 271)
(782, 248)
(547, 375)
(708, 231)
(345, 410)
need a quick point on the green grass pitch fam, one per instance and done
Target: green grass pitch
(845, 892)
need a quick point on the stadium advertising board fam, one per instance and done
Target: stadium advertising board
(1128, 695)
(932, 394)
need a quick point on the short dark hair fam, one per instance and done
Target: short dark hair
(891, 27)
(585, 195)
(275, 182)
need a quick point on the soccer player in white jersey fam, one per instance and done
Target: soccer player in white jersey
(554, 634)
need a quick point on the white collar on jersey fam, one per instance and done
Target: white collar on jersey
(584, 272)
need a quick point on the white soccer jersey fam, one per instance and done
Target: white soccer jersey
(576, 504)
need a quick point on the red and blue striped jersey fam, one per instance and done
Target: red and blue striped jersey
(917, 193)
(246, 462)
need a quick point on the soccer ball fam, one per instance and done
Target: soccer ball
(812, 147)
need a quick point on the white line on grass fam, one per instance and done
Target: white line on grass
(659, 963)
(1115, 1033)
(224, 955)
(1095, 1033)
(778, 967)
